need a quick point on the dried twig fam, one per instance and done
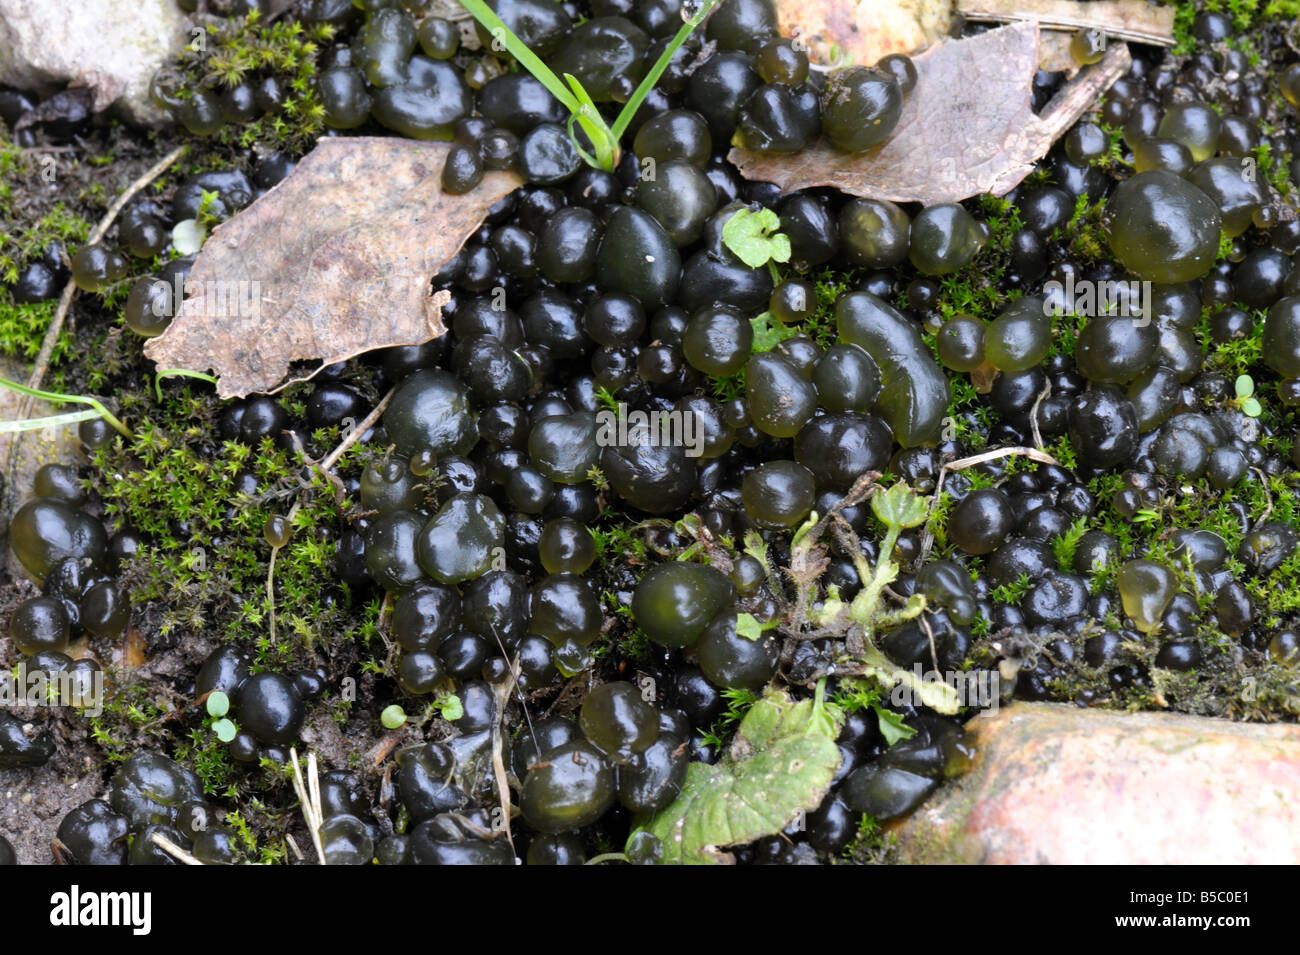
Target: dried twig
(1034, 454)
(309, 798)
(172, 849)
(65, 300)
(1133, 20)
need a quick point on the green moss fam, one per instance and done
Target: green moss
(206, 564)
(239, 49)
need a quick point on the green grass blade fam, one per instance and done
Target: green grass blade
(520, 51)
(53, 421)
(57, 398)
(643, 90)
(178, 373)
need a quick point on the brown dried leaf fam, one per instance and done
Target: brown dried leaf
(966, 129)
(1135, 20)
(863, 30)
(337, 261)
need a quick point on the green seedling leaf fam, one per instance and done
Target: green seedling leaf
(892, 727)
(1244, 386)
(939, 696)
(780, 763)
(225, 730)
(393, 717)
(749, 626)
(450, 707)
(1251, 408)
(218, 704)
(752, 236)
(768, 332)
(900, 507)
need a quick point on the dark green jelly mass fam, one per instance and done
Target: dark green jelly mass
(675, 601)
(914, 394)
(570, 788)
(1163, 228)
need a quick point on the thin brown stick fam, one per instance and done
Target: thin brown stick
(172, 849)
(1126, 19)
(1034, 454)
(65, 302)
(106, 223)
(366, 424)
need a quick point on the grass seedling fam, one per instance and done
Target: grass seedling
(583, 113)
(99, 411)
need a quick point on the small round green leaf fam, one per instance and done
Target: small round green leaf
(225, 730)
(1244, 386)
(393, 717)
(1251, 408)
(218, 704)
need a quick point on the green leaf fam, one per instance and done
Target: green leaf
(1251, 408)
(781, 762)
(218, 704)
(900, 507)
(892, 727)
(768, 332)
(747, 626)
(225, 730)
(752, 236)
(1244, 386)
(939, 696)
(392, 717)
(450, 707)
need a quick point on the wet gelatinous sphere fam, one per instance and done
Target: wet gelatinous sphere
(733, 661)
(1115, 349)
(270, 707)
(839, 448)
(846, 378)
(1145, 588)
(961, 343)
(565, 608)
(860, 108)
(981, 521)
(1281, 341)
(1020, 337)
(1103, 427)
(944, 238)
(616, 719)
(430, 411)
(1167, 155)
(675, 601)
(637, 257)
(564, 447)
(601, 52)
(680, 196)
(149, 788)
(570, 788)
(462, 540)
(94, 834)
(874, 233)
(780, 399)
(46, 531)
(390, 549)
(566, 547)
(1238, 196)
(718, 341)
(778, 493)
(1195, 125)
(676, 134)
(655, 780)
(777, 118)
(40, 623)
(1163, 228)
